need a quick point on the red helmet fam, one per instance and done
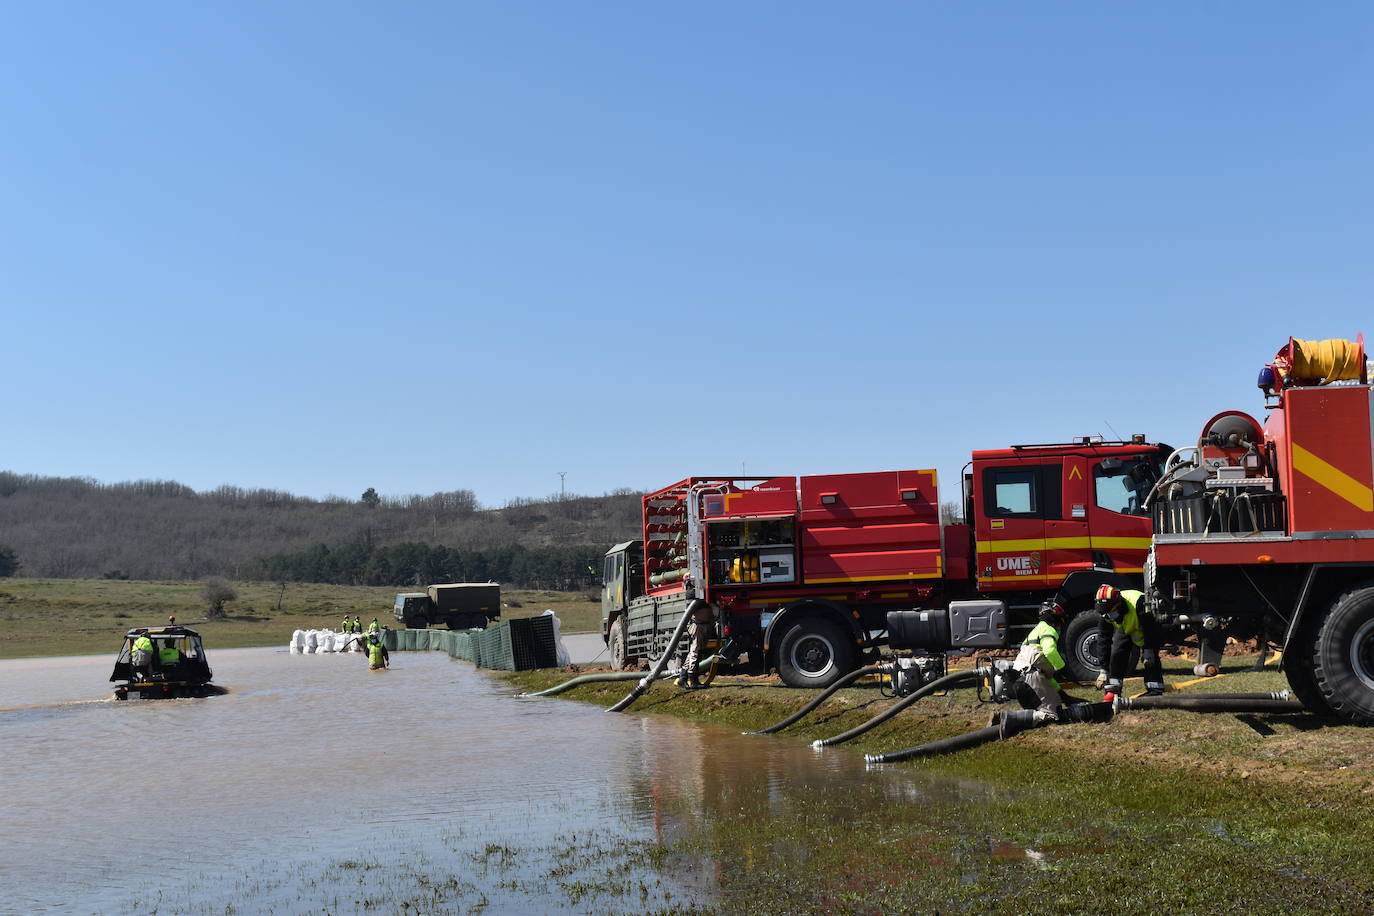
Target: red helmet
(1108, 600)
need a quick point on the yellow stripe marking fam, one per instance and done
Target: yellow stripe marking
(1063, 544)
(1333, 478)
(1034, 578)
(891, 578)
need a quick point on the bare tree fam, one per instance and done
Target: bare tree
(216, 592)
(951, 512)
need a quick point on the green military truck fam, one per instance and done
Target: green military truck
(461, 605)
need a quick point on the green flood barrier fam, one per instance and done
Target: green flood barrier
(513, 645)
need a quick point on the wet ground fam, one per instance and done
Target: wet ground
(315, 785)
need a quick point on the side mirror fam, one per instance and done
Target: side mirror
(1111, 466)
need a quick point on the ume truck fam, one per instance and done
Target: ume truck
(803, 572)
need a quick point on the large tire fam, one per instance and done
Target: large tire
(616, 642)
(1343, 656)
(1083, 657)
(1302, 679)
(816, 652)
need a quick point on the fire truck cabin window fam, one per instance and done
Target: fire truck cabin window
(1123, 484)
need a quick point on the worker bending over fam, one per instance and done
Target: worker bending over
(141, 656)
(1038, 662)
(1127, 622)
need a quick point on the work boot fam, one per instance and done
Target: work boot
(1155, 692)
(693, 682)
(682, 680)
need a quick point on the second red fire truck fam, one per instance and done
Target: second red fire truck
(803, 572)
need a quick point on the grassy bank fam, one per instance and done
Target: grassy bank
(1169, 811)
(87, 616)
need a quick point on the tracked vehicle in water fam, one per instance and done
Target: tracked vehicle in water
(174, 666)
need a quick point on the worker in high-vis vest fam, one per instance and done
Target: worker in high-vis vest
(1126, 623)
(169, 655)
(377, 656)
(141, 654)
(358, 625)
(373, 627)
(344, 628)
(1039, 661)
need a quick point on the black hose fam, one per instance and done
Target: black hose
(845, 681)
(957, 679)
(945, 746)
(1218, 703)
(605, 676)
(585, 679)
(668, 650)
(1008, 725)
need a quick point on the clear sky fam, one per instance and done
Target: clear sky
(325, 246)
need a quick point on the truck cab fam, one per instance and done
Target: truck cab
(412, 609)
(622, 581)
(1063, 518)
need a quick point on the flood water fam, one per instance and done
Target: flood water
(315, 785)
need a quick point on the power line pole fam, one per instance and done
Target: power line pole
(562, 490)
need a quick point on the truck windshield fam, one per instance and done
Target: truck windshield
(1123, 483)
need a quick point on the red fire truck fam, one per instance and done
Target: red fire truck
(803, 571)
(1277, 521)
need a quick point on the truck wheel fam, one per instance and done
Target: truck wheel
(1343, 657)
(1083, 653)
(616, 643)
(815, 653)
(1302, 680)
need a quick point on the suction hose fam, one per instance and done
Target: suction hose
(1220, 702)
(585, 679)
(825, 694)
(605, 676)
(1007, 725)
(957, 679)
(662, 662)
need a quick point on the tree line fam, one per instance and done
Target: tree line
(162, 530)
(415, 565)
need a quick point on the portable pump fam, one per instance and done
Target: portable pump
(910, 673)
(1000, 680)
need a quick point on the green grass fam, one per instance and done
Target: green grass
(1186, 811)
(42, 617)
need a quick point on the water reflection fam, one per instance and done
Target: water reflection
(316, 784)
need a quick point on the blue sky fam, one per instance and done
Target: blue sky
(321, 247)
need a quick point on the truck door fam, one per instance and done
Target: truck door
(1016, 499)
(1067, 544)
(1121, 528)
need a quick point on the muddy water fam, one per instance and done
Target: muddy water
(316, 785)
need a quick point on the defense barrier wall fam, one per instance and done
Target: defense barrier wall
(513, 645)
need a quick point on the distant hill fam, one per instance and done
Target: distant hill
(162, 530)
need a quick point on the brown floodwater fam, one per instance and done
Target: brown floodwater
(315, 785)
